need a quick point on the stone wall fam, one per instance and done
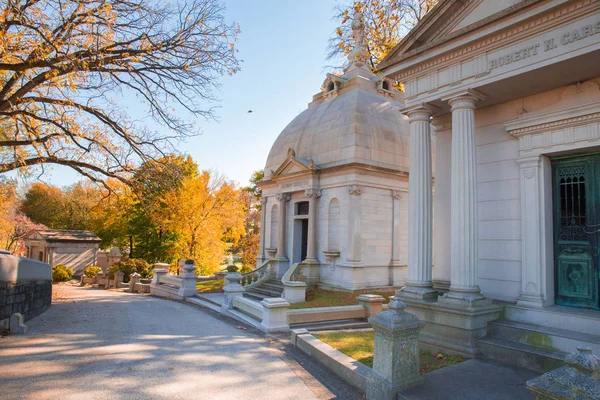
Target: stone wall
(28, 297)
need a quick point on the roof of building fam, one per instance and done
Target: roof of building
(355, 119)
(56, 235)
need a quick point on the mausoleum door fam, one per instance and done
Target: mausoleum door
(577, 230)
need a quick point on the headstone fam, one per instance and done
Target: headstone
(16, 324)
(396, 354)
(578, 380)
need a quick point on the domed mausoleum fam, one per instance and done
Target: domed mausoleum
(335, 189)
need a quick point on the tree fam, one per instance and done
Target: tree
(13, 224)
(386, 23)
(206, 211)
(249, 244)
(63, 62)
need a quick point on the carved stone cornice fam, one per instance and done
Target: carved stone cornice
(354, 190)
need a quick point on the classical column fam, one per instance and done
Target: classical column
(533, 230)
(354, 245)
(464, 274)
(419, 284)
(311, 245)
(282, 198)
(263, 231)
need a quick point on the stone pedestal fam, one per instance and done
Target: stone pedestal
(579, 379)
(157, 273)
(396, 355)
(275, 315)
(373, 303)
(118, 279)
(453, 328)
(189, 279)
(294, 291)
(232, 290)
(134, 279)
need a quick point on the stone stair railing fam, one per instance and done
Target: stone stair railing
(294, 289)
(174, 287)
(261, 274)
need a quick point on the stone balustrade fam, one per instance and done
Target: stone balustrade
(174, 287)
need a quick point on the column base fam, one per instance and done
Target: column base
(424, 291)
(467, 298)
(530, 300)
(451, 328)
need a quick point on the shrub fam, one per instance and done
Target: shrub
(60, 273)
(91, 271)
(245, 269)
(232, 268)
(128, 267)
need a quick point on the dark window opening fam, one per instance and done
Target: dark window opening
(386, 85)
(302, 208)
(330, 86)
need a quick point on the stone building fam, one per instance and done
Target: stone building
(512, 91)
(335, 189)
(75, 249)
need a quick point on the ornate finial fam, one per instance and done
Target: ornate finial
(584, 359)
(397, 305)
(358, 56)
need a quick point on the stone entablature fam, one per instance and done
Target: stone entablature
(503, 52)
(557, 130)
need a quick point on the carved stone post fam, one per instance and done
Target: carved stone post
(118, 279)
(232, 290)
(579, 379)
(189, 279)
(134, 279)
(396, 355)
(354, 245)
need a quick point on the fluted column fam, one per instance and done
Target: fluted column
(311, 245)
(263, 231)
(282, 198)
(464, 274)
(419, 283)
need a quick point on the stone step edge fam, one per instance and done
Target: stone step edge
(564, 333)
(524, 348)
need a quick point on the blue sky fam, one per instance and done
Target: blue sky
(283, 46)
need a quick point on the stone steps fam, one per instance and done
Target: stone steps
(273, 285)
(266, 291)
(356, 323)
(521, 355)
(545, 337)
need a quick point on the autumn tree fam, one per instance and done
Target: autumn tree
(69, 68)
(13, 224)
(386, 23)
(249, 244)
(207, 211)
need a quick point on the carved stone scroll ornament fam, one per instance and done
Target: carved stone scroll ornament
(354, 190)
(284, 197)
(312, 193)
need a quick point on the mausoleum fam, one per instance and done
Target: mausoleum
(336, 184)
(512, 91)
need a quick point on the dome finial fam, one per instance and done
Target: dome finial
(358, 56)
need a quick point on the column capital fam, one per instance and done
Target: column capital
(354, 190)
(263, 200)
(284, 197)
(420, 112)
(312, 193)
(529, 162)
(464, 99)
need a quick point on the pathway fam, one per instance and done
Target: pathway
(97, 344)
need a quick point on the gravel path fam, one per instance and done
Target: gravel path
(97, 344)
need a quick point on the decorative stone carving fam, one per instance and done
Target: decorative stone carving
(284, 197)
(579, 379)
(312, 193)
(354, 190)
(396, 354)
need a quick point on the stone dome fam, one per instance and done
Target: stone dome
(356, 119)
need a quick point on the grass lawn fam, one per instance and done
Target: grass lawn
(359, 345)
(331, 298)
(209, 286)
